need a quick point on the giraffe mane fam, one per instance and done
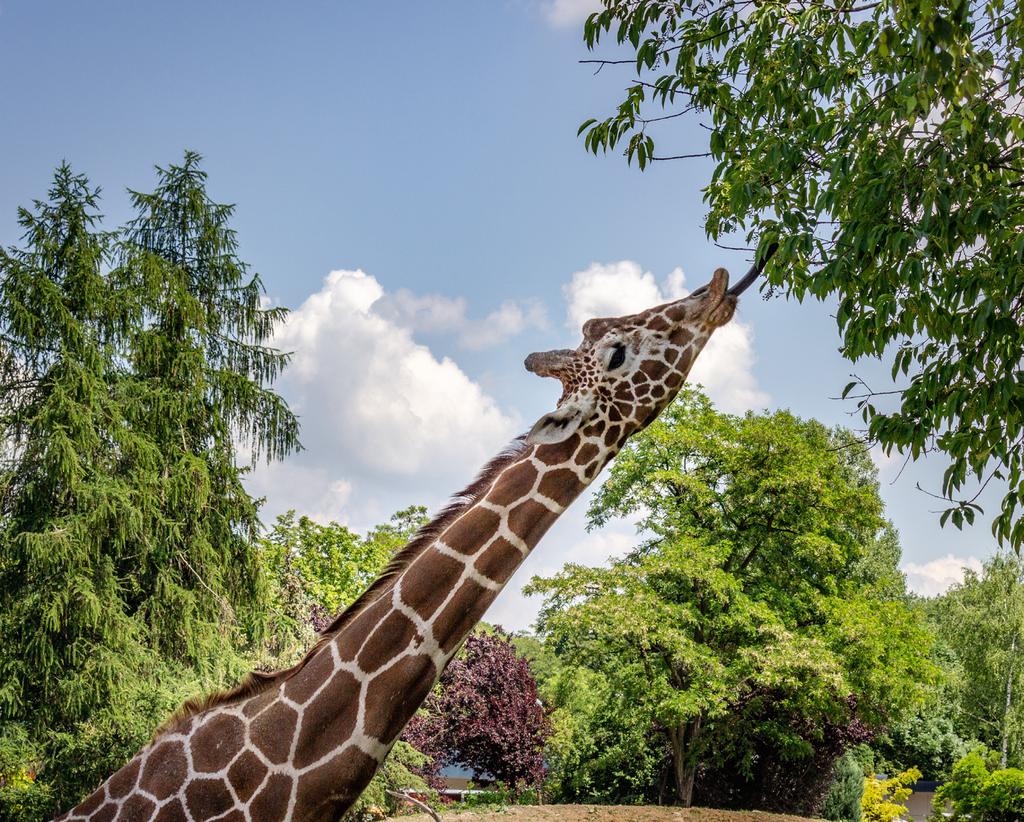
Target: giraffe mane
(258, 681)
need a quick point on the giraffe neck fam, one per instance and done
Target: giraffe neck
(445, 591)
(305, 746)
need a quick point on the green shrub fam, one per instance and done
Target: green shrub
(883, 798)
(980, 792)
(964, 787)
(22, 797)
(26, 802)
(842, 802)
(1002, 797)
(498, 795)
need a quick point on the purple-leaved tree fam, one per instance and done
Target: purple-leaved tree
(485, 715)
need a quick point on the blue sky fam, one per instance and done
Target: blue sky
(432, 147)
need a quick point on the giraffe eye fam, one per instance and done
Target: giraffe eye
(618, 357)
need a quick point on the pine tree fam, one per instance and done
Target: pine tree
(842, 802)
(198, 391)
(134, 373)
(67, 521)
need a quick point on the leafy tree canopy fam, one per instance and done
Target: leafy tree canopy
(982, 622)
(485, 714)
(925, 738)
(314, 570)
(879, 144)
(753, 611)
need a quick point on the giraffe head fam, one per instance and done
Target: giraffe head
(628, 369)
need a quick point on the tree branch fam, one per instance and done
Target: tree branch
(423, 806)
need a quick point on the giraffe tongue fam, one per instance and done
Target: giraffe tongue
(754, 272)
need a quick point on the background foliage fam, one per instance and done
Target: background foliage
(756, 627)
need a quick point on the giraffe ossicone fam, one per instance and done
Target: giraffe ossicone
(301, 744)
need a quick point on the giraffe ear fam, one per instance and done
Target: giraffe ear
(559, 425)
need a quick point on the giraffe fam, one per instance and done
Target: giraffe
(301, 744)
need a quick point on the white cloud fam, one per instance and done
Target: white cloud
(510, 319)
(724, 368)
(435, 313)
(562, 13)
(312, 490)
(428, 312)
(933, 578)
(380, 413)
(609, 290)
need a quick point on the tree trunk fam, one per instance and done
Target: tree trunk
(684, 768)
(1009, 701)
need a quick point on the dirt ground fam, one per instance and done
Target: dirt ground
(608, 813)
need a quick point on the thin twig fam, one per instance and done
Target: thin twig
(682, 156)
(423, 806)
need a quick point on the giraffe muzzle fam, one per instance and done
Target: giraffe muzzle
(549, 363)
(717, 288)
